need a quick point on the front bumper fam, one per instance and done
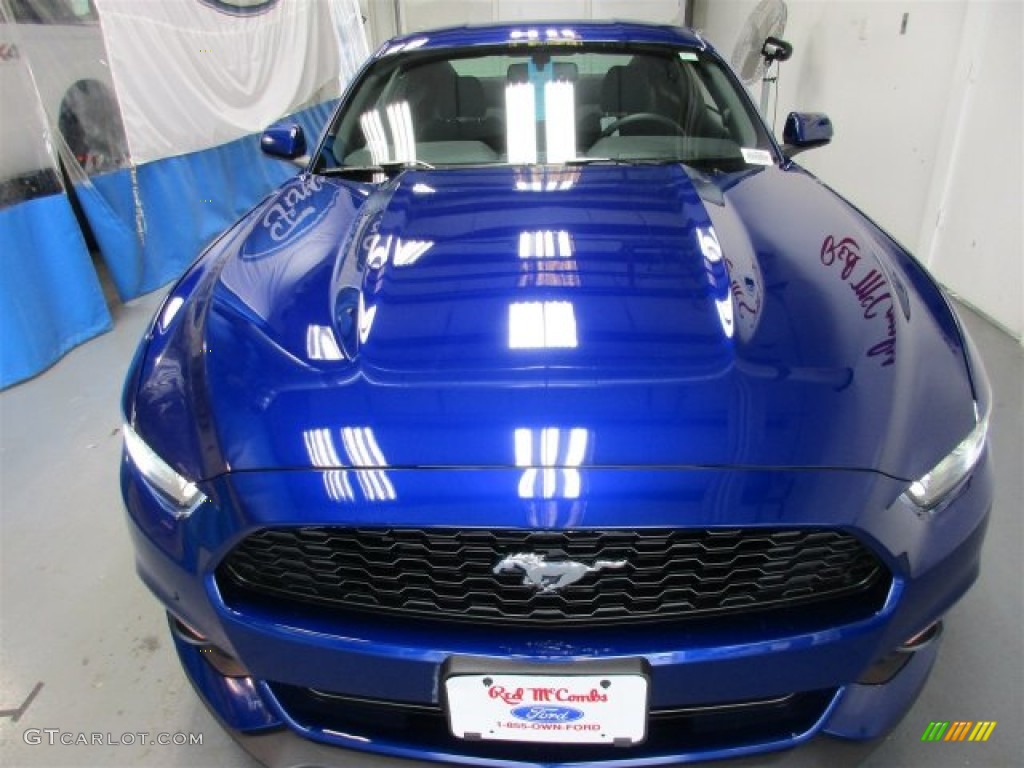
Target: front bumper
(811, 662)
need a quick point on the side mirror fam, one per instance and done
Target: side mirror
(285, 140)
(805, 130)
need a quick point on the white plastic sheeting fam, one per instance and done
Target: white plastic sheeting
(190, 75)
(50, 297)
(154, 109)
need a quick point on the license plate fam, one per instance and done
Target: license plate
(556, 709)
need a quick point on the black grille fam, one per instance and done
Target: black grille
(449, 574)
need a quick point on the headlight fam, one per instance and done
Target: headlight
(929, 490)
(182, 493)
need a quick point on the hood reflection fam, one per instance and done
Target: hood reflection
(542, 325)
(550, 457)
(364, 456)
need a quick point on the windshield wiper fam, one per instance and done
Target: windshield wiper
(406, 165)
(623, 161)
(389, 168)
(595, 161)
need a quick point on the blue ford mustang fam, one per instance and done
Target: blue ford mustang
(552, 415)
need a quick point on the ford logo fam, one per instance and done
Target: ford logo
(299, 206)
(543, 713)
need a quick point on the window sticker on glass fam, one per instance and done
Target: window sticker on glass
(757, 156)
(687, 55)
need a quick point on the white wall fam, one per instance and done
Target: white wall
(425, 14)
(928, 126)
(973, 238)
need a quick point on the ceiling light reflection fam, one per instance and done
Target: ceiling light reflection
(338, 486)
(322, 452)
(408, 252)
(545, 244)
(376, 139)
(320, 448)
(725, 316)
(170, 310)
(363, 452)
(364, 457)
(520, 106)
(559, 453)
(400, 122)
(542, 325)
(378, 249)
(560, 126)
(366, 318)
(709, 245)
(544, 179)
(321, 344)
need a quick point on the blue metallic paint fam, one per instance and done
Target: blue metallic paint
(780, 417)
(795, 394)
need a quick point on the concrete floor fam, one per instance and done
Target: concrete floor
(85, 648)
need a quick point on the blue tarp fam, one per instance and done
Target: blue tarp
(50, 296)
(185, 202)
(150, 223)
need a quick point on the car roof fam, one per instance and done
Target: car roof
(542, 31)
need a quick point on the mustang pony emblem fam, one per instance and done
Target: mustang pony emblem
(551, 576)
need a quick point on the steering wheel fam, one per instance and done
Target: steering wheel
(642, 117)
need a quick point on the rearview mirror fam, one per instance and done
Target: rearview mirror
(286, 140)
(805, 130)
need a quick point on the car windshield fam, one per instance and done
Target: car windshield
(545, 104)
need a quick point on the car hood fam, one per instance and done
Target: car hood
(612, 316)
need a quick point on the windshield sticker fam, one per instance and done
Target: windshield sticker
(757, 156)
(687, 56)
